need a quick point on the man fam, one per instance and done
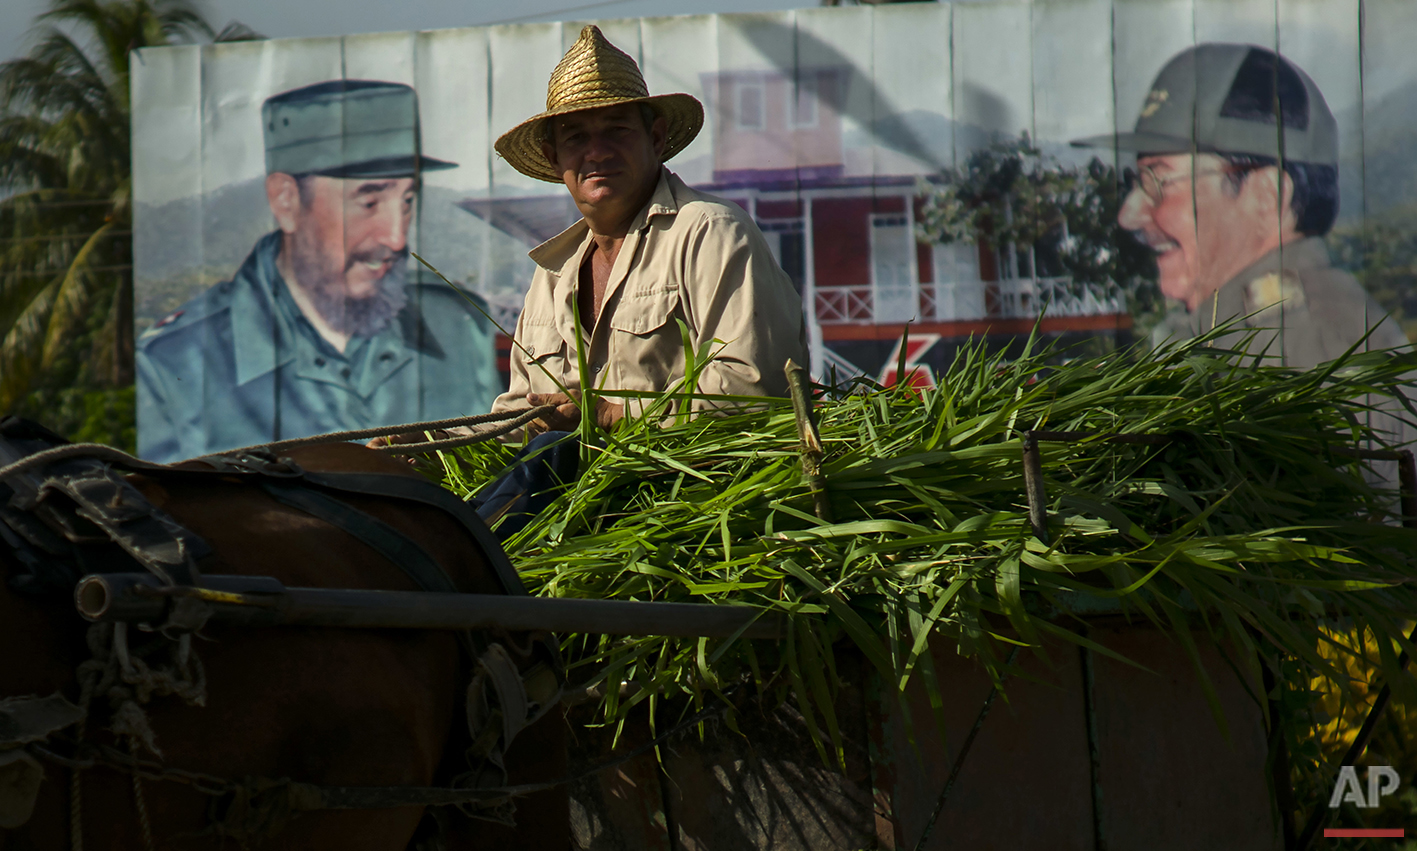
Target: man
(649, 254)
(650, 261)
(319, 330)
(1235, 187)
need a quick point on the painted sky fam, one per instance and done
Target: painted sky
(284, 19)
(1058, 70)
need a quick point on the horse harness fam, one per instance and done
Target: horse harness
(76, 514)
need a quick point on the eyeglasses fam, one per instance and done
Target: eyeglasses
(1154, 185)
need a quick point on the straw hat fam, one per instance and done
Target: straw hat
(592, 74)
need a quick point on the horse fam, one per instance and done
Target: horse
(324, 706)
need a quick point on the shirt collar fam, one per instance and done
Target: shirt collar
(662, 203)
(554, 254)
(262, 333)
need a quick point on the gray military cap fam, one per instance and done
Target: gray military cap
(346, 128)
(1231, 99)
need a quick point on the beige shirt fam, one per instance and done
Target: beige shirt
(688, 256)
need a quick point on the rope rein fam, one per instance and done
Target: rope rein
(522, 418)
(519, 417)
(144, 822)
(98, 451)
(103, 452)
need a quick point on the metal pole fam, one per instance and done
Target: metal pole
(263, 601)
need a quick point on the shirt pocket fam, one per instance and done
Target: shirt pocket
(541, 339)
(645, 310)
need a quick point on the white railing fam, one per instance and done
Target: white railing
(844, 305)
(1026, 298)
(953, 301)
(1019, 298)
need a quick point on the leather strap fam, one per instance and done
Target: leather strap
(427, 493)
(166, 548)
(389, 542)
(269, 467)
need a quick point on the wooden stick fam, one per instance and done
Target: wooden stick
(1033, 486)
(811, 440)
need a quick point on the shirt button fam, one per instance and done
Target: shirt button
(344, 372)
(319, 361)
(386, 356)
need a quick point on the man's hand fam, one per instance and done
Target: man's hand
(567, 416)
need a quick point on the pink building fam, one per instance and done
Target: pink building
(849, 242)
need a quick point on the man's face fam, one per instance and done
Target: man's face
(350, 248)
(607, 157)
(1204, 231)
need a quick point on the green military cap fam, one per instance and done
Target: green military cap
(1231, 99)
(346, 128)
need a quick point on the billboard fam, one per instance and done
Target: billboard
(961, 168)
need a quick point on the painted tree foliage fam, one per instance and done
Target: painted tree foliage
(1042, 218)
(66, 284)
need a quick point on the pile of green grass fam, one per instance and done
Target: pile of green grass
(1243, 528)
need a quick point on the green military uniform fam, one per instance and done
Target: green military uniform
(1308, 311)
(239, 364)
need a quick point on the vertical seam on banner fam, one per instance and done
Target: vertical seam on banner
(1362, 140)
(954, 84)
(484, 263)
(1281, 159)
(874, 126)
(1117, 183)
(201, 206)
(1033, 140)
(640, 34)
(1195, 112)
(808, 295)
(417, 271)
(954, 167)
(1032, 98)
(1399, 430)
(1362, 156)
(276, 430)
(795, 98)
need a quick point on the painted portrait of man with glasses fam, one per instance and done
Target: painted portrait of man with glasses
(1234, 188)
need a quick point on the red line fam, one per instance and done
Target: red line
(1365, 833)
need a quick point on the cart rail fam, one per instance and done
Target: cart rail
(264, 601)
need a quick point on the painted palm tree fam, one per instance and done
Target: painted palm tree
(66, 218)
